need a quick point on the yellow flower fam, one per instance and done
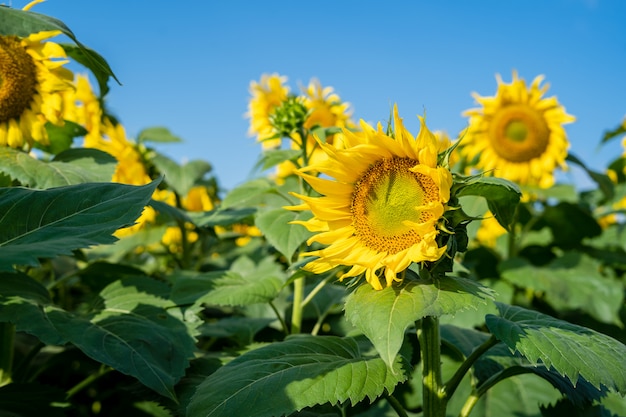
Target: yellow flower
(443, 143)
(380, 212)
(268, 94)
(489, 230)
(198, 199)
(83, 107)
(32, 80)
(517, 134)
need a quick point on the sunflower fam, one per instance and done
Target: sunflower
(518, 134)
(325, 109)
(381, 201)
(32, 80)
(267, 94)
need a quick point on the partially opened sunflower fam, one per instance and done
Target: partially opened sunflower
(518, 134)
(381, 201)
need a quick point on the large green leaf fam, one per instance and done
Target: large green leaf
(499, 360)
(44, 223)
(181, 177)
(23, 23)
(502, 196)
(287, 376)
(137, 332)
(245, 283)
(384, 315)
(285, 237)
(74, 166)
(570, 282)
(571, 350)
(22, 302)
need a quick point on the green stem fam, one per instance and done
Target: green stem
(485, 386)
(296, 311)
(7, 335)
(87, 381)
(434, 399)
(395, 404)
(456, 379)
(314, 291)
(280, 318)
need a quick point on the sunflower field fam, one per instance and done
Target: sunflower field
(367, 271)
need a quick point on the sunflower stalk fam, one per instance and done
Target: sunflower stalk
(299, 283)
(433, 395)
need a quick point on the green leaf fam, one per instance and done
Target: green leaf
(22, 302)
(73, 166)
(499, 360)
(288, 376)
(274, 157)
(240, 329)
(614, 133)
(571, 350)
(44, 223)
(570, 282)
(604, 181)
(23, 23)
(246, 283)
(285, 237)
(61, 137)
(222, 216)
(502, 196)
(157, 134)
(561, 217)
(248, 194)
(384, 315)
(92, 60)
(518, 396)
(181, 177)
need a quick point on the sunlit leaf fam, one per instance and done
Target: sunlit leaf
(248, 193)
(384, 315)
(284, 377)
(285, 237)
(70, 167)
(245, 283)
(181, 177)
(571, 350)
(44, 223)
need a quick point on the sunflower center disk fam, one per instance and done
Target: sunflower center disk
(519, 133)
(18, 79)
(385, 198)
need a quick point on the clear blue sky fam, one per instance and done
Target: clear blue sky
(187, 65)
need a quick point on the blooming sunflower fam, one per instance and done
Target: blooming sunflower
(267, 94)
(381, 200)
(518, 133)
(32, 79)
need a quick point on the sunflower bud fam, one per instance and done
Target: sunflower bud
(289, 117)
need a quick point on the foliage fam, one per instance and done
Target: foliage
(170, 296)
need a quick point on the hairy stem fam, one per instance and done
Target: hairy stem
(433, 396)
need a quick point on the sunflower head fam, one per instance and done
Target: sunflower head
(290, 117)
(382, 198)
(518, 134)
(267, 94)
(32, 79)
